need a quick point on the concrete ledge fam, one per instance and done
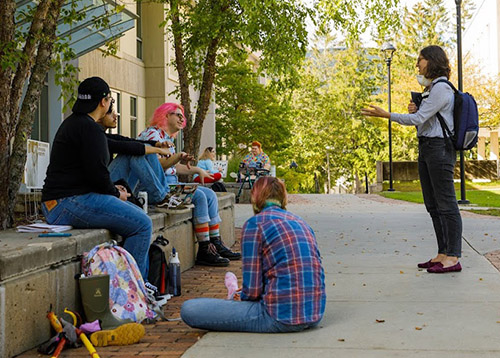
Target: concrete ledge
(37, 273)
(245, 192)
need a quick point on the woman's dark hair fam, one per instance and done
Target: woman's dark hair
(437, 62)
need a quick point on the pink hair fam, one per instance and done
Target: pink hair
(159, 118)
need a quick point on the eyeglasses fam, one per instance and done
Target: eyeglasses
(178, 115)
(110, 98)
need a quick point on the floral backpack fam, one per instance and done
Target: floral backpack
(127, 293)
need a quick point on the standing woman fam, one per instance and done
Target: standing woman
(436, 158)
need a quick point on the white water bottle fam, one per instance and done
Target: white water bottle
(174, 274)
(144, 196)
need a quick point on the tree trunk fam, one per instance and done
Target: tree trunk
(7, 10)
(15, 127)
(25, 65)
(180, 63)
(192, 131)
(30, 102)
(192, 143)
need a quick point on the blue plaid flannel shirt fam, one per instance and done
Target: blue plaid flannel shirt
(282, 267)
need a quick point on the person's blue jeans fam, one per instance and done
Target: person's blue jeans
(142, 173)
(92, 211)
(234, 316)
(436, 163)
(206, 205)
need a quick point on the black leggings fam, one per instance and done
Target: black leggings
(436, 164)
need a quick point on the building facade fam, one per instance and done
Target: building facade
(141, 74)
(481, 46)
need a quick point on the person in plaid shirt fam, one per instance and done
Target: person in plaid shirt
(283, 280)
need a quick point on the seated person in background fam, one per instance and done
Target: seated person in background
(206, 162)
(257, 156)
(168, 119)
(78, 190)
(283, 280)
(137, 161)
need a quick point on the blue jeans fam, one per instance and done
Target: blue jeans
(206, 205)
(436, 163)
(142, 173)
(92, 211)
(234, 316)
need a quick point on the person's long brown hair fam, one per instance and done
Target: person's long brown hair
(438, 64)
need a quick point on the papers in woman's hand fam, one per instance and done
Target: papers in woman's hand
(42, 227)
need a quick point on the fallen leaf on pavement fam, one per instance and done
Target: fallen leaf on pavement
(380, 320)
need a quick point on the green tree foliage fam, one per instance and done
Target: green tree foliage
(29, 46)
(425, 23)
(207, 32)
(428, 22)
(336, 82)
(249, 110)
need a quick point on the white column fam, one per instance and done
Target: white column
(494, 145)
(481, 148)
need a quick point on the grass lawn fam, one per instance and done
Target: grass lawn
(480, 194)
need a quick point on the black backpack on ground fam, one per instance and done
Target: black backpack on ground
(158, 266)
(219, 187)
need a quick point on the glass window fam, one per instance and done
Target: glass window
(133, 117)
(138, 29)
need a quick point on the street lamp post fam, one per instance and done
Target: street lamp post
(463, 199)
(388, 50)
(328, 168)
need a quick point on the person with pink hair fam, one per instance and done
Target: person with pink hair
(168, 119)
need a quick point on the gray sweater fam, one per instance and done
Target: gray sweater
(441, 99)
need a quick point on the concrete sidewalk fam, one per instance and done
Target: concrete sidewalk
(378, 303)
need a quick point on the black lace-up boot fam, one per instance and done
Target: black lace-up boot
(207, 255)
(223, 250)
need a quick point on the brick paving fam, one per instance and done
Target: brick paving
(494, 258)
(168, 339)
